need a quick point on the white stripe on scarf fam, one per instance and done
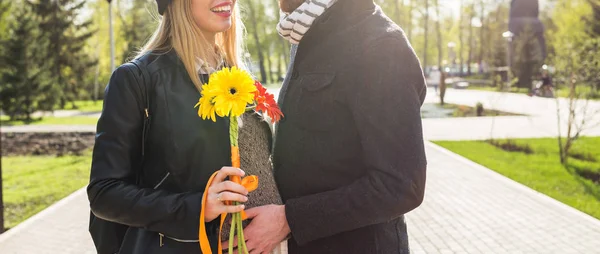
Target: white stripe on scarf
(292, 27)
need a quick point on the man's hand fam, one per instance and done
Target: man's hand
(266, 230)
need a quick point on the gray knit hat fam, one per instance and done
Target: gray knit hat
(162, 5)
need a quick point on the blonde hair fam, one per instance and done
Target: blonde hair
(178, 31)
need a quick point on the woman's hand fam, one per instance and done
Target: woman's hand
(221, 191)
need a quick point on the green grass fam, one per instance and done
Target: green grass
(495, 89)
(562, 92)
(32, 183)
(542, 170)
(85, 106)
(75, 120)
(584, 91)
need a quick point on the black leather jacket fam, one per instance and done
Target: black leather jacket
(179, 143)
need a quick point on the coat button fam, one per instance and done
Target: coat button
(295, 74)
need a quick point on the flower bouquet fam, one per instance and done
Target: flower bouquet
(229, 93)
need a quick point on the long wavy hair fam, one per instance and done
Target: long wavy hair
(178, 31)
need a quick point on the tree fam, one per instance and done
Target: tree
(593, 20)
(24, 88)
(4, 10)
(593, 30)
(66, 34)
(426, 32)
(471, 12)
(439, 38)
(255, 30)
(483, 28)
(574, 55)
(460, 38)
(137, 25)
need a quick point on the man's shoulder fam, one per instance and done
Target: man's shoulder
(379, 29)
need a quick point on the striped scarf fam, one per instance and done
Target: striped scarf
(292, 27)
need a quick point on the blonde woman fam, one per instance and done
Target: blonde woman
(150, 181)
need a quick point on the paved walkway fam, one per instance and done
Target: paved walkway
(540, 119)
(471, 209)
(486, 213)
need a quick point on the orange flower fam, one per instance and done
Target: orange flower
(265, 103)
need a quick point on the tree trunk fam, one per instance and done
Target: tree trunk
(261, 60)
(1, 199)
(269, 69)
(279, 63)
(268, 57)
(397, 11)
(460, 40)
(570, 122)
(426, 33)
(440, 52)
(481, 36)
(470, 57)
(560, 145)
(409, 23)
(439, 35)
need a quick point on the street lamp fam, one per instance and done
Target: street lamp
(508, 35)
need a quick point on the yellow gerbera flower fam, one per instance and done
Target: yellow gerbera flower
(206, 103)
(234, 90)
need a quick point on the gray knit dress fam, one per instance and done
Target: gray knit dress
(255, 138)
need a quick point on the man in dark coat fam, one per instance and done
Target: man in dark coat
(349, 157)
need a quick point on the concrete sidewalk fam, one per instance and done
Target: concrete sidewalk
(540, 118)
(471, 209)
(467, 209)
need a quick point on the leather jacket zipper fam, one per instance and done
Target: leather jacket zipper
(163, 180)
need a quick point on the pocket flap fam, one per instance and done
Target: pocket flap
(316, 81)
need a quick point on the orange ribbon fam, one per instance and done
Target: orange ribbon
(249, 182)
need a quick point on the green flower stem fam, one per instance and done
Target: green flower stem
(231, 234)
(238, 217)
(241, 235)
(233, 131)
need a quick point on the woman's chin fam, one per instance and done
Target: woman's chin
(220, 26)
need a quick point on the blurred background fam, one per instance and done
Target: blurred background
(514, 86)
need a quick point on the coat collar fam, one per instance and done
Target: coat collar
(343, 14)
(340, 17)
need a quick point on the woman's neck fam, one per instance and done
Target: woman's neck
(211, 38)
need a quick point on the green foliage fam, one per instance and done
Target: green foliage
(32, 183)
(542, 170)
(23, 76)
(267, 51)
(593, 20)
(138, 22)
(66, 34)
(574, 50)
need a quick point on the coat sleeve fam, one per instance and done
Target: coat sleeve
(385, 102)
(112, 193)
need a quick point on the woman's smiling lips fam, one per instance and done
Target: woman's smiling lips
(223, 9)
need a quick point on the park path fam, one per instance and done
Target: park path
(539, 118)
(467, 209)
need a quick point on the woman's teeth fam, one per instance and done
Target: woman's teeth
(226, 8)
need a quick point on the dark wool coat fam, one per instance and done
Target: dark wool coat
(349, 156)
